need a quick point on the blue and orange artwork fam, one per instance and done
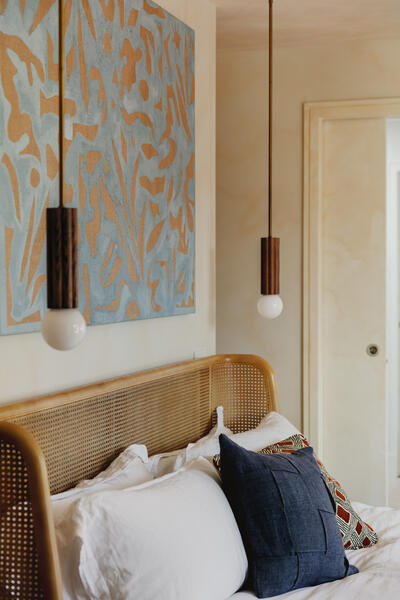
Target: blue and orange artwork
(130, 157)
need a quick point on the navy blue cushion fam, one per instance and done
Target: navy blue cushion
(286, 517)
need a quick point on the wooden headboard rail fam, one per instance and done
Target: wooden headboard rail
(50, 443)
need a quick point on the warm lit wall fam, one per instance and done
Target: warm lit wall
(335, 71)
(29, 367)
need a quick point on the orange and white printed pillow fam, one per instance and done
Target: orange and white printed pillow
(355, 533)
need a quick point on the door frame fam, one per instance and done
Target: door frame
(314, 115)
(392, 333)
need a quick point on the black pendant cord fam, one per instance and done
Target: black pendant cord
(270, 99)
(270, 246)
(61, 99)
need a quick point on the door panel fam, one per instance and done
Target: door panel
(352, 303)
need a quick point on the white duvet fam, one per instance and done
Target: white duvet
(379, 566)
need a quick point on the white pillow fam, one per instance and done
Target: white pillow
(174, 538)
(161, 464)
(272, 429)
(126, 470)
(166, 462)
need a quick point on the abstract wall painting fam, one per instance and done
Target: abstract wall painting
(130, 164)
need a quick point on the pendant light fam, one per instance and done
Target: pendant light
(270, 304)
(63, 326)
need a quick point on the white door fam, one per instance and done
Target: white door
(353, 304)
(346, 412)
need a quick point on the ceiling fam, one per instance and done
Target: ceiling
(242, 23)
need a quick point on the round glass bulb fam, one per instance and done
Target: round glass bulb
(63, 328)
(270, 306)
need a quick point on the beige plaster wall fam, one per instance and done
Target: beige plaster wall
(29, 367)
(338, 71)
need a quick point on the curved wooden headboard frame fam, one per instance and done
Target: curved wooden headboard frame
(12, 411)
(77, 432)
(24, 484)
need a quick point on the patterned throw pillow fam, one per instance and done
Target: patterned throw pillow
(355, 533)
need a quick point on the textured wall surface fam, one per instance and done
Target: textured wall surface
(130, 164)
(29, 367)
(328, 71)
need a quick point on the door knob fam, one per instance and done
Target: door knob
(372, 350)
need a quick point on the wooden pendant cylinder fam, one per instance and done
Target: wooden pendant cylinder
(62, 257)
(269, 266)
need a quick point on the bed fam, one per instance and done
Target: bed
(50, 443)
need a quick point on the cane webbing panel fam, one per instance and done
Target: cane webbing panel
(80, 439)
(19, 565)
(245, 393)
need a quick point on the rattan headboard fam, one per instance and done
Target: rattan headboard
(80, 431)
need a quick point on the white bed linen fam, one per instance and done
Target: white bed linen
(379, 566)
(171, 538)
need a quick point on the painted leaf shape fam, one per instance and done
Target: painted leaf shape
(155, 234)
